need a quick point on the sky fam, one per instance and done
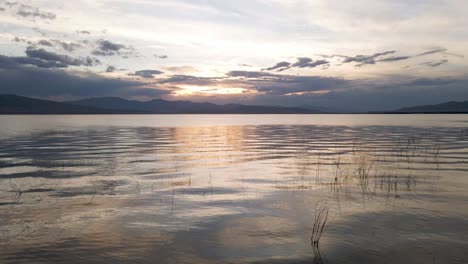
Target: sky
(362, 55)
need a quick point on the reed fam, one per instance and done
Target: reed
(320, 222)
(17, 192)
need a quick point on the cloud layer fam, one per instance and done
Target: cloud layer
(349, 55)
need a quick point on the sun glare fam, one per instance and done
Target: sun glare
(210, 90)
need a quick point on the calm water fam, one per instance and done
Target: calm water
(233, 188)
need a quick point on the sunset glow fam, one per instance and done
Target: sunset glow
(219, 90)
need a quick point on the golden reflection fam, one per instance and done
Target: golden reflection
(209, 139)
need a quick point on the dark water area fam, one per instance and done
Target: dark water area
(234, 189)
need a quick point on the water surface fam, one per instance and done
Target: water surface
(233, 188)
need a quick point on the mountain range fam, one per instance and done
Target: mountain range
(449, 107)
(14, 104)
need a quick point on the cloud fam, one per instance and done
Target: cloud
(60, 59)
(435, 64)
(302, 62)
(109, 48)
(71, 46)
(280, 66)
(286, 85)
(146, 73)
(367, 59)
(308, 63)
(4, 60)
(67, 46)
(111, 69)
(40, 82)
(431, 52)
(397, 58)
(381, 57)
(160, 56)
(45, 43)
(21, 40)
(29, 11)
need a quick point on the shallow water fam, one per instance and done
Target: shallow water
(233, 188)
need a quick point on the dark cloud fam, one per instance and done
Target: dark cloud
(33, 12)
(146, 73)
(367, 59)
(280, 66)
(362, 60)
(67, 46)
(161, 56)
(111, 69)
(70, 46)
(45, 55)
(47, 59)
(435, 63)
(302, 62)
(2, 9)
(396, 58)
(45, 43)
(290, 85)
(40, 82)
(4, 60)
(19, 40)
(308, 63)
(109, 48)
(431, 52)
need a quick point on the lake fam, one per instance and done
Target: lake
(234, 189)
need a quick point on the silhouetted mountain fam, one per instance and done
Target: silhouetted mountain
(14, 104)
(449, 107)
(161, 106)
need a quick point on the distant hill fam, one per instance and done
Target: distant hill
(160, 106)
(449, 107)
(14, 104)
